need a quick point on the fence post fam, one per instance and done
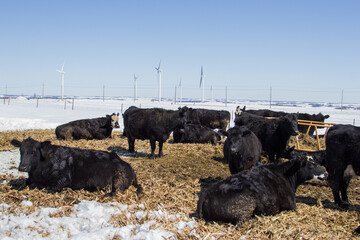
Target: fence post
(37, 103)
(65, 104)
(72, 108)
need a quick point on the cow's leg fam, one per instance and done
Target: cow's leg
(338, 184)
(131, 142)
(58, 180)
(343, 189)
(153, 146)
(337, 199)
(233, 166)
(160, 148)
(120, 182)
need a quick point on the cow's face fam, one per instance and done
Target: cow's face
(320, 117)
(184, 116)
(291, 124)
(236, 136)
(311, 170)
(115, 120)
(30, 153)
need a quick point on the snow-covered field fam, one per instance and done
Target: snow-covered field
(90, 219)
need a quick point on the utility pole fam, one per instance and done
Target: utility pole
(342, 98)
(270, 95)
(42, 92)
(226, 96)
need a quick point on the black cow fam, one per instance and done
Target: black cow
(95, 128)
(210, 118)
(262, 190)
(56, 167)
(242, 149)
(195, 133)
(154, 124)
(342, 159)
(302, 116)
(274, 134)
(316, 156)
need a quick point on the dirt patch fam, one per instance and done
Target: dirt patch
(173, 182)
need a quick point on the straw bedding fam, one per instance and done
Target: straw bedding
(172, 183)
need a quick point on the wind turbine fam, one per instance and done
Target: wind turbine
(62, 80)
(158, 69)
(180, 86)
(135, 87)
(202, 84)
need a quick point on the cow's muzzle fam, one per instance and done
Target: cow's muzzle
(23, 168)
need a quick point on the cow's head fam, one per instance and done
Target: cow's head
(290, 124)
(238, 110)
(30, 153)
(235, 136)
(311, 170)
(302, 169)
(114, 118)
(320, 117)
(184, 116)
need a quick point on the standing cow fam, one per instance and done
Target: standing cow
(56, 167)
(210, 118)
(342, 159)
(154, 124)
(274, 134)
(301, 116)
(95, 128)
(262, 190)
(195, 133)
(242, 149)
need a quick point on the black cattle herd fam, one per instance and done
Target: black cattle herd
(252, 189)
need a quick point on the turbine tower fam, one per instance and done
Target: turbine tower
(158, 69)
(180, 86)
(135, 87)
(62, 80)
(202, 84)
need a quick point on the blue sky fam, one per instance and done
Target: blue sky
(304, 50)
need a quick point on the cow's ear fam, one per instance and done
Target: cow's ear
(326, 116)
(291, 149)
(246, 132)
(15, 143)
(117, 114)
(44, 150)
(45, 144)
